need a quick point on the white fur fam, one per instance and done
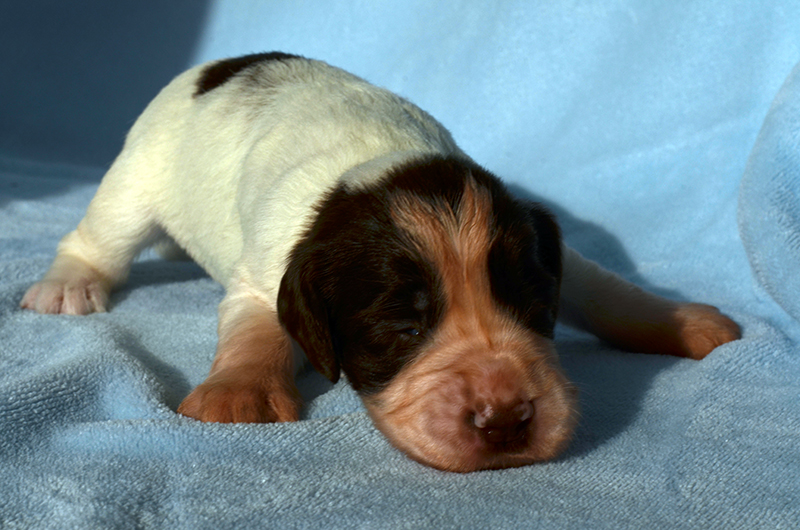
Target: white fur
(232, 175)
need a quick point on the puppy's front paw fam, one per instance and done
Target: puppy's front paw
(230, 397)
(702, 328)
(72, 297)
(71, 287)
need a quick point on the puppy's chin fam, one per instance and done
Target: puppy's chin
(468, 407)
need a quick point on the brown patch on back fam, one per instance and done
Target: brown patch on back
(220, 72)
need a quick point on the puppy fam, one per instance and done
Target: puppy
(341, 215)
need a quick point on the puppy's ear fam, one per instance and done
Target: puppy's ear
(525, 264)
(304, 313)
(548, 258)
(548, 238)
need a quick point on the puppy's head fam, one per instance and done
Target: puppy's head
(436, 293)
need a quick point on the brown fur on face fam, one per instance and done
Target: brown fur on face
(485, 392)
(436, 293)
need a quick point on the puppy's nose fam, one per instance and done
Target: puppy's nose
(499, 424)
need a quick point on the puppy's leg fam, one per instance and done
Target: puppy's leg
(252, 377)
(615, 310)
(97, 255)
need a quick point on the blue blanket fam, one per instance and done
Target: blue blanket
(637, 122)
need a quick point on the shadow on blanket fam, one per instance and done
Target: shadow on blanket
(87, 73)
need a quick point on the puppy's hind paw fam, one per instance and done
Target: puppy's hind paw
(702, 328)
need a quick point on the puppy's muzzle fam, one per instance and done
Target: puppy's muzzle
(498, 406)
(478, 408)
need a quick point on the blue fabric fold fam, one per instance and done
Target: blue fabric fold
(769, 199)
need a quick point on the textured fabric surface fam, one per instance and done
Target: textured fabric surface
(769, 199)
(637, 122)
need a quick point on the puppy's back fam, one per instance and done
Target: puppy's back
(235, 153)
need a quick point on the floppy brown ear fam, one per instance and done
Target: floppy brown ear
(304, 314)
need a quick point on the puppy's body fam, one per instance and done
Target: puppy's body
(243, 164)
(345, 215)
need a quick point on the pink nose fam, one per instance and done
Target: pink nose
(501, 424)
